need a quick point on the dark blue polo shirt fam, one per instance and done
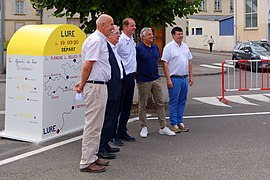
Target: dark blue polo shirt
(147, 62)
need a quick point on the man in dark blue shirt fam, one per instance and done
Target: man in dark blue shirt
(148, 81)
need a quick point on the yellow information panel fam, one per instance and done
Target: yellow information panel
(43, 65)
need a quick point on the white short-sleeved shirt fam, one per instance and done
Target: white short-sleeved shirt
(177, 57)
(127, 52)
(118, 58)
(95, 49)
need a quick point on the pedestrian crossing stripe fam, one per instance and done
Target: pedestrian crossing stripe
(217, 65)
(211, 100)
(210, 66)
(226, 65)
(239, 99)
(258, 97)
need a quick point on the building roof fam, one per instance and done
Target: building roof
(209, 18)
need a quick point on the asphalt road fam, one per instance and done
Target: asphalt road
(223, 143)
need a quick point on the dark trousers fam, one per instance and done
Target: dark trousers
(111, 117)
(127, 93)
(211, 46)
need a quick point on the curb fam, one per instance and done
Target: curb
(226, 53)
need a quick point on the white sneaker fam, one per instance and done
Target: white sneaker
(166, 131)
(144, 132)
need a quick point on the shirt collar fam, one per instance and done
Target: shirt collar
(100, 34)
(177, 43)
(126, 37)
(146, 46)
(111, 44)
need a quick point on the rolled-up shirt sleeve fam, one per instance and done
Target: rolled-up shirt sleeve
(166, 54)
(92, 51)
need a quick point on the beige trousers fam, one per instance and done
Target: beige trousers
(95, 99)
(145, 90)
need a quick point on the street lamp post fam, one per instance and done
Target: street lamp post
(2, 69)
(235, 21)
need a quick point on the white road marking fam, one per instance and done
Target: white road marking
(137, 118)
(218, 115)
(227, 115)
(226, 65)
(133, 119)
(231, 63)
(238, 99)
(2, 112)
(211, 100)
(37, 151)
(258, 97)
(267, 95)
(210, 66)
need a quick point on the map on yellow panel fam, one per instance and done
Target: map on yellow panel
(43, 66)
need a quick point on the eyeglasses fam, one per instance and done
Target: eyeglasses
(117, 33)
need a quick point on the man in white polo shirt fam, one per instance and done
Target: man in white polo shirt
(127, 52)
(177, 67)
(96, 72)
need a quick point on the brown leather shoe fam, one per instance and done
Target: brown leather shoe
(94, 168)
(183, 128)
(175, 129)
(102, 162)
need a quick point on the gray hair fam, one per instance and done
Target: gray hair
(142, 33)
(115, 27)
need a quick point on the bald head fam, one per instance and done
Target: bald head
(105, 24)
(102, 19)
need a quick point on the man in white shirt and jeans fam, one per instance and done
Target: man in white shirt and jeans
(177, 67)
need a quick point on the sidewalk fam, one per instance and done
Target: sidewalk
(206, 51)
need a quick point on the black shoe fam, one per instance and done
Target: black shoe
(112, 150)
(127, 138)
(106, 155)
(117, 142)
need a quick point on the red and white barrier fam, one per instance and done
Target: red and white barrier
(234, 79)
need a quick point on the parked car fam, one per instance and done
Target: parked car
(253, 50)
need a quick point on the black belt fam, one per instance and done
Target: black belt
(97, 82)
(181, 77)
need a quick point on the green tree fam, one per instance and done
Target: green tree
(144, 12)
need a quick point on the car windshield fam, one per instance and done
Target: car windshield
(260, 47)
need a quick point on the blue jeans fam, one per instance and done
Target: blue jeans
(177, 100)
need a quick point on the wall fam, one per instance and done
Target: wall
(210, 28)
(179, 22)
(251, 34)
(225, 8)
(200, 41)
(48, 18)
(30, 17)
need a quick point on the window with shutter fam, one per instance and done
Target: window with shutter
(251, 14)
(217, 5)
(19, 7)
